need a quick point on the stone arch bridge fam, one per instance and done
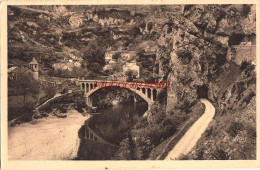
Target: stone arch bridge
(147, 91)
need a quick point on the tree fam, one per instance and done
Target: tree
(130, 75)
(24, 84)
(135, 74)
(50, 91)
(78, 72)
(115, 69)
(149, 26)
(93, 54)
(124, 152)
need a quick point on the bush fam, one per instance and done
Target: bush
(27, 111)
(251, 132)
(79, 104)
(234, 128)
(124, 152)
(160, 127)
(220, 154)
(162, 97)
(61, 108)
(50, 91)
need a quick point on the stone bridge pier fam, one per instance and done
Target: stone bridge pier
(89, 101)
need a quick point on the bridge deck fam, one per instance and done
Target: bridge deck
(127, 84)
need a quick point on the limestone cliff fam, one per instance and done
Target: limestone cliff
(197, 44)
(210, 54)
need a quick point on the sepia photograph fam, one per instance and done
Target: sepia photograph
(131, 82)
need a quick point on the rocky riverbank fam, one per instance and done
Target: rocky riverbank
(48, 138)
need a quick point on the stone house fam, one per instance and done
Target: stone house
(109, 56)
(117, 77)
(66, 65)
(31, 69)
(132, 65)
(128, 54)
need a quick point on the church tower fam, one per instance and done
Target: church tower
(34, 66)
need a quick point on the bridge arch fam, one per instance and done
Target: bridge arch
(148, 99)
(146, 91)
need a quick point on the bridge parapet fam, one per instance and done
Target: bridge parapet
(126, 84)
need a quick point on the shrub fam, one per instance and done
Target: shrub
(162, 97)
(27, 111)
(124, 152)
(251, 131)
(220, 154)
(244, 65)
(50, 91)
(160, 127)
(62, 109)
(234, 128)
(79, 104)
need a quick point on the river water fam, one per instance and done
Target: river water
(113, 124)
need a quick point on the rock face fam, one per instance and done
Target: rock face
(196, 44)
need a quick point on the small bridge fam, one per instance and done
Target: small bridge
(147, 91)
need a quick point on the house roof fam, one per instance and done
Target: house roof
(33, 61)
(65, 65)
(21, 70)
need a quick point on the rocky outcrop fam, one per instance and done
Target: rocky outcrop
(199, 49)
(196, 45)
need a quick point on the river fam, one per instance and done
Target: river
(113, 124)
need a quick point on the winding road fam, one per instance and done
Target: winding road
(50, 138)
(190, 138)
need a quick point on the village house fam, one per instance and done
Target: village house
(126, 55)
(120, 76)
(66, 65)
(95, 18)
(109, 56)
(109, 59)
(31, 69)
(132, 65)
